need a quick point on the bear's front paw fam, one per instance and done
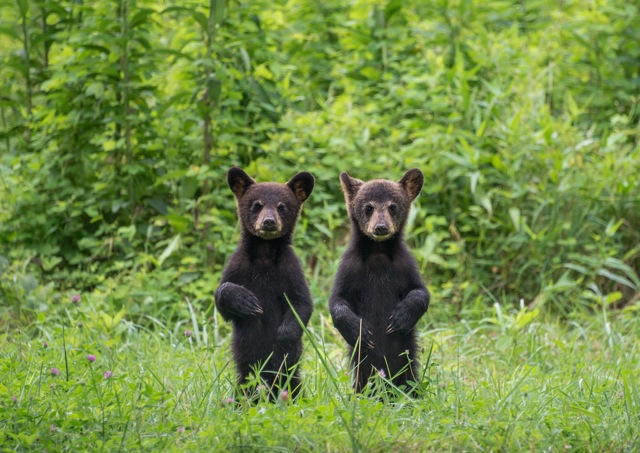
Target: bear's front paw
(400, 321)
(366, 338)
(251, 305)
(238, 300)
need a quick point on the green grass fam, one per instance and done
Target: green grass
(511, 381)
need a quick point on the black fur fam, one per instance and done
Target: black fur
(262, 271)
(378, 294)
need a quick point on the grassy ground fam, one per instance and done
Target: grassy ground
(512, 381)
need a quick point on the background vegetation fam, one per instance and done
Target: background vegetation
(119, 119)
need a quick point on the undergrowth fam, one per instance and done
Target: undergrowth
(515, 380)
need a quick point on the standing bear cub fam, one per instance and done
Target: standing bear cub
(260, 276)
(378, 294)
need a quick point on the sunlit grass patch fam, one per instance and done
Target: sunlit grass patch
(488, 384)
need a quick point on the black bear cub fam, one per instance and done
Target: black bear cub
(378, 294)
(261, 274)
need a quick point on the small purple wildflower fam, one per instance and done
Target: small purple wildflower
(91, 358)
(180, 429)
(382, 374)
(188, 333)
(14, 399)
(108, 374)
(75, 298)
(55, 371)
(45, 345)
(284, 396)
(229, 401)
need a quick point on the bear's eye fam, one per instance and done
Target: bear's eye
(368, 210)
(256, 206)
(393, 208)
(281, 208)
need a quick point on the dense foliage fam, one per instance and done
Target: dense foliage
(120, 118)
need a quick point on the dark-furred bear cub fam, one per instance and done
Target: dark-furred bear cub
(378, 294)
(262, 272)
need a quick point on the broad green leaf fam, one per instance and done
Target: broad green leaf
(175, 242)
(514, 214)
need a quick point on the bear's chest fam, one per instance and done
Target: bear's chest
(379, 284)
(269, 281)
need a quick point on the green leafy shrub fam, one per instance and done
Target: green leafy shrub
(523, 117)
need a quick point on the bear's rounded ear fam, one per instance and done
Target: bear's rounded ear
(238, 181)
(302, 185)
(350, 186)
(412, 182)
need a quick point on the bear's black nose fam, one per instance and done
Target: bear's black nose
(381, 229)
(269, 224)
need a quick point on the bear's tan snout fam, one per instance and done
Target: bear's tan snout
(268, 224)
(380, 225)
(381, 229)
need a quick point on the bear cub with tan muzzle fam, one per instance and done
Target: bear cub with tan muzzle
(260, 276)
(378, 294)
